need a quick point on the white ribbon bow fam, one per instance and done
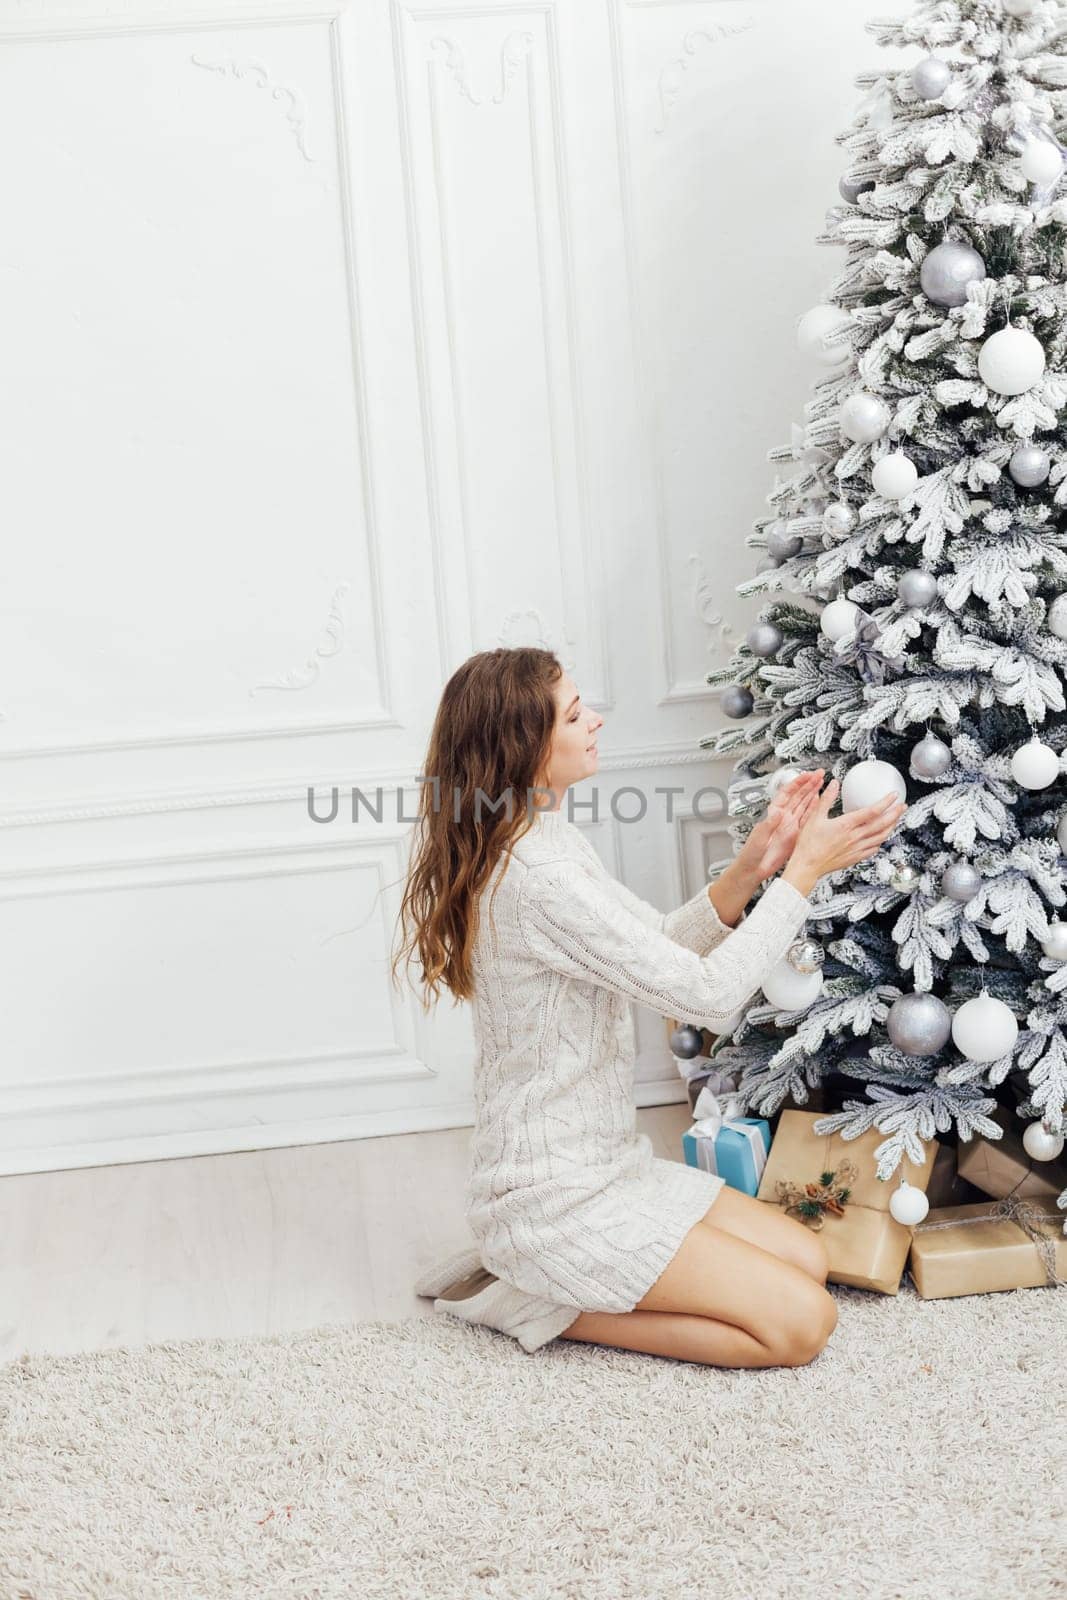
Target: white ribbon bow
(714, 1112)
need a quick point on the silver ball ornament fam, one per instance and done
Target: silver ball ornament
(905, 878)
(687, 1042)
(736, 701)
(807, 955)
(1054, 944)
(1061, 833)
(781, 544)
(1029, 466)
(850, 188)
(946, 271)
(931, 757)
(764, 639)
(919, 1024)
(960, 881)
(1041, 1143)
(930, 77)
(839, 519)
(916, 588)
(767, 564)
(1057, 617)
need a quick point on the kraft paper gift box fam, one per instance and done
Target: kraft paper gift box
(946, 1187)
(866, 1247)
(736, 1149)
(998, 1167)
(981, 1248)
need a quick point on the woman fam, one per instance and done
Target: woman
(582, 1232)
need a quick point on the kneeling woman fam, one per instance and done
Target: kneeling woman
(581, 1231)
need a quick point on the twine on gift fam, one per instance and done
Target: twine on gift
(1027, 1216)
(812, 1203)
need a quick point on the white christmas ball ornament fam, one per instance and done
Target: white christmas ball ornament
(780, 777)
(930, 77)
(812, 328)
(790, 990)
(908, 1204)
(1041, 1143)
(1057, 616)
(1035, 765)
(1011, 361)
(864, 417)
(983, 1029)
(1018, 8)
(869, 781)
(1054, 944)
(1041, 162)
(894, 476)
(839, 617)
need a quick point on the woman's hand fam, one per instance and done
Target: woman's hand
(826, 844)
(773, 839)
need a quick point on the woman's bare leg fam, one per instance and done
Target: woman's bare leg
(721, 1300)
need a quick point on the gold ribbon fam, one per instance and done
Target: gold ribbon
(1014, 1209)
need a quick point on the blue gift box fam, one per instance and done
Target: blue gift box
(737, 1152)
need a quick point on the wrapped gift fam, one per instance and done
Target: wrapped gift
(1000, 1167)
(988, 1246)
(722, 1141)
(946, 1187)
(831, 1184)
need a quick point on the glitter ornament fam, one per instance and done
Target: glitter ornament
(919, 1024)
(905, 878)
(960, 881)
(1011, 361)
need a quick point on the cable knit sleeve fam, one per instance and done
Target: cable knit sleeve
(696, 924)
(573, 923)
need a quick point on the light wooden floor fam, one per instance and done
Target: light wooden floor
(259, 1242)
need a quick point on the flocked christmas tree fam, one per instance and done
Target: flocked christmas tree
(922, 535)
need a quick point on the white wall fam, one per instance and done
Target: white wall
(339, 343)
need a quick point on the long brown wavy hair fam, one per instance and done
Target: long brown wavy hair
(493, 733)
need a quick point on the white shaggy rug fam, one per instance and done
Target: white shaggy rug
(923, 1453)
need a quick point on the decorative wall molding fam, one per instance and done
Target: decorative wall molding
(333, 634)
(513, 52)
(672, 76)
(291, 99)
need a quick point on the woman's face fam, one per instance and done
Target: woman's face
(573, 753)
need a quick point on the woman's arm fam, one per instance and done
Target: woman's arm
(701, 922)
(572, 922)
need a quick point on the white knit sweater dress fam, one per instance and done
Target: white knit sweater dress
(565, 1198)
